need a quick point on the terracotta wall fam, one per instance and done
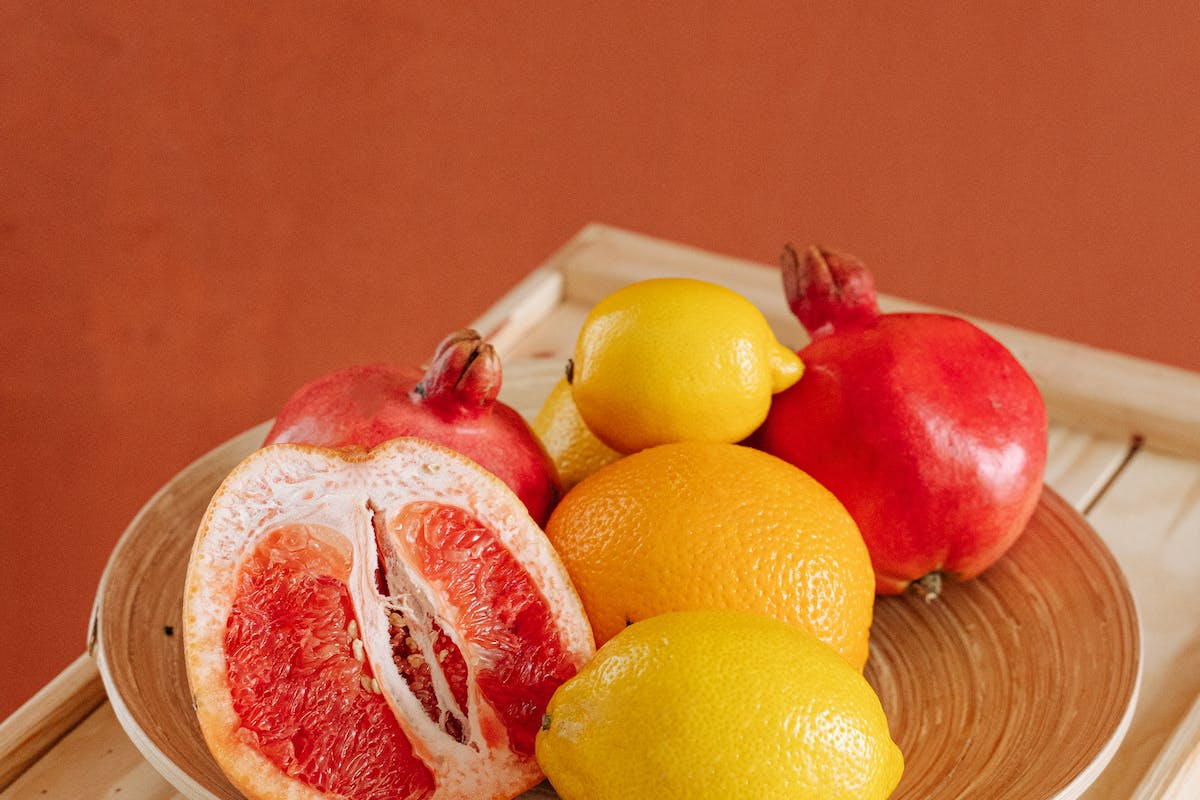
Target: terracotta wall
(204, 204)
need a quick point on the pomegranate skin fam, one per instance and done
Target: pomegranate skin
(454, 403)
(926, 428)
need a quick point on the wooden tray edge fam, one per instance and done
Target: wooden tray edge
(1085, 387)
(34, 728)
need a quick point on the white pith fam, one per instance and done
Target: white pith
(413, 598)
(341, 491)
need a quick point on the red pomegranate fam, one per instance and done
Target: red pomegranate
(454, 404)
(925, 427)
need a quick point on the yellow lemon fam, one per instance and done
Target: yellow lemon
(676, 359)
(573, 447)
(695, 525)
(717, 704)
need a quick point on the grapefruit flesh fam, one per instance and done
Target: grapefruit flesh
(498, 614)
(295, 681)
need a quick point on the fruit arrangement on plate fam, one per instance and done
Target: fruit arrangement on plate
(663, 585)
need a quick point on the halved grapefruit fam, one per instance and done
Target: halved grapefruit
(370, 624)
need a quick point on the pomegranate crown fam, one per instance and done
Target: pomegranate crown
(464, 376)
(829, 290)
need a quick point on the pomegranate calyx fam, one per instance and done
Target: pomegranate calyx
(928, 586)
(829, 290)
(464, 377)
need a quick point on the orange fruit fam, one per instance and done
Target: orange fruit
(706, 525)
(572, 446)
(375, 623)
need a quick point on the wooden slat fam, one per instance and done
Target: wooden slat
(554, 336)
(1175, 773)
(1150, 519)
(527, 382)
(96, 759)
(1079, 463)
(1107, 393)
(48, 716)
(507, 323)
(603, 259)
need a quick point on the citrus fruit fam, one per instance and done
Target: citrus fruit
(572, 446)
(375, 624)
(709, 525)
(672, 359)
(717, 704)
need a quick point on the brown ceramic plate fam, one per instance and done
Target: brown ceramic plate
(1017, 685)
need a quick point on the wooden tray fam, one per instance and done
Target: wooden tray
(966, 680)
(1124, 453)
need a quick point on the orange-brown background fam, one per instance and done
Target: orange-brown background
(204, 204)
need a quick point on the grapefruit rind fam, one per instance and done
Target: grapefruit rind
(343, 491)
